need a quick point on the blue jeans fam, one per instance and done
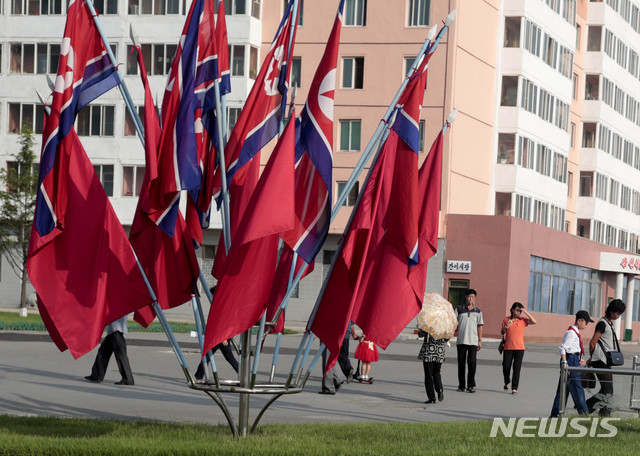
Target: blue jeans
(574, 386)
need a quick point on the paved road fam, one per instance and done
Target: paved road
(36, 379)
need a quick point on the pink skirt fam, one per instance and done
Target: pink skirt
(367, 352)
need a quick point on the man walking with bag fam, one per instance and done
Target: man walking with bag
(603, 343)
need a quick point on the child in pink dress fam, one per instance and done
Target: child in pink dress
(367, 352)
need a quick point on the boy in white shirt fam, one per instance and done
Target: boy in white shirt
(571, 351)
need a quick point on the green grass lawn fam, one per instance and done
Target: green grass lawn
(12, 321)
(55, 436)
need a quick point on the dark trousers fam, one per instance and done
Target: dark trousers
(574, 387)
(343, 357)
(226, 351)
(510, 357)
(332, 380)
(432, 379)
(467, 355)
(601, 401)
(115, 344)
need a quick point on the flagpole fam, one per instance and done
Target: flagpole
(450, 118)
(247, 380)
(163, 321)
(292, 26)
(220, 124)
(198, 316)
(122, 85)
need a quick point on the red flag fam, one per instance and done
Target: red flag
(84, 270)
(259, 120)
(280, 284)
(84, 73)
(392, 291)
(242, 293)
(337, 305)
(169, 262)
(178, 157)
(199, 201)
(237, 206)
(79, 259)
(223, 51)
(387, 214)
(429, 189)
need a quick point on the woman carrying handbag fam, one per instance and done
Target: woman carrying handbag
(604, 343)
(513, 334)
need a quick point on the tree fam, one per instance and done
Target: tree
(17, 202)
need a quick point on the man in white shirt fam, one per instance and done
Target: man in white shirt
(469, 340)
(571, 351)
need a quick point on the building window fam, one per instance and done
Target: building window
(157, 58)
(237, 59)
(408, 62)
(421, 127)
(556, 219)
(523, 207)
(562, 288)
(526, 152)
(352, 72)
(350, 135)
(614, 192)
(503, 204)
(15, 167)
(418, 13)
(132, 177)
(232, 118)
(355, 12)
(255, 8)
(575, 86)
(32, 58)
(156, 7)
(21, 114)
(602, 184)
(327, 257)
(512, 32)
(38, 7)
(506, 148)
(572, 137)
(296, 71)
(529, 96)
(129, 125)
(540, 212)
(543, 160)
(594, 38)
(105, 173)
(586, 187)
(352, 197)
(105, 6)
(95, 120)
(235, 6)
(509, 95)
(162, 57)
(253, 62)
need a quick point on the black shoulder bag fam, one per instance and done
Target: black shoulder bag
(614, 358)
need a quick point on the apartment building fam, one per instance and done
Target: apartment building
(541, 170)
